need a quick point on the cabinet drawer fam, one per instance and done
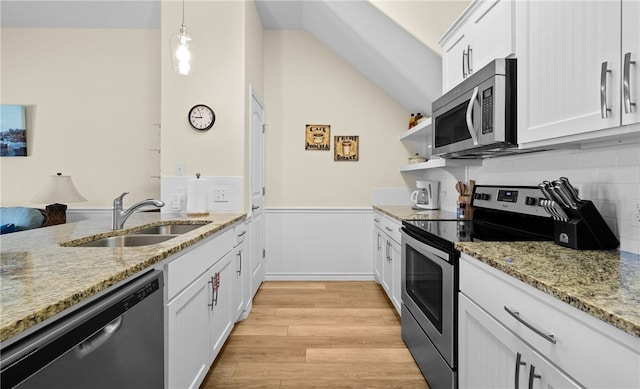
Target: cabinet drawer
(593, 352)
(183, 270)
(390, 226)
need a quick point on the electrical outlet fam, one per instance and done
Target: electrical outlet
(179, 168)
(635, 215)
(176, 201)
(220, 194)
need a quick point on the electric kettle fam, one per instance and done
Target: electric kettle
(426, 197)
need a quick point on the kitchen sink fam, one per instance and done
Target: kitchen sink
(169, 229)
(127, 241)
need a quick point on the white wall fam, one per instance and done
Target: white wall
(93, 112)
(306, 83)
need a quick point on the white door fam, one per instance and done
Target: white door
(257, 192)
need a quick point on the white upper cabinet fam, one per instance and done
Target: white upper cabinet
(485, 31)
(630, 62)
(570, 68)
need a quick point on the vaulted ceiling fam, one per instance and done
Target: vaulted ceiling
(406, 68)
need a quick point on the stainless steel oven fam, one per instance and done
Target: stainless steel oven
(430, 270)
(429, 296)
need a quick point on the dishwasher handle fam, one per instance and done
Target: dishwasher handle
(99, 338)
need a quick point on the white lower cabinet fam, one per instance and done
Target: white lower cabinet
(388, 257)
(507, 328)
(201, 307)
(490, 356)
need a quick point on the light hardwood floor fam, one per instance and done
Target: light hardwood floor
(317, 335)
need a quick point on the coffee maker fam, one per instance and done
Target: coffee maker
(427, 195)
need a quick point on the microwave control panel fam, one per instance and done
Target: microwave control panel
(487, 110)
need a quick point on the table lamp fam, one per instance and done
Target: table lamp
(58, 189)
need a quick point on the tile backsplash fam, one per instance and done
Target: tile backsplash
(173, 192)
(608, 175)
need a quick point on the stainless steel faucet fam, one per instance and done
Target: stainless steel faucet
(119, 215)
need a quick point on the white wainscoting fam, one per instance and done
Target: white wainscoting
(319, 244)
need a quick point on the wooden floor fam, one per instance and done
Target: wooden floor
(317, 335)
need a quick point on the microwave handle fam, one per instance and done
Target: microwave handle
(470, 127)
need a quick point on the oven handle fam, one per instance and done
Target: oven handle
(472, 130)
(427, 247)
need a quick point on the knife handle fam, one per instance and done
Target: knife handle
(572, 189)
(564, 193)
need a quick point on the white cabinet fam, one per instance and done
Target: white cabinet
(198, 311)
(241, 262)
(484, 32)
(580, 346)
(388, 257)
(490, 356)
(222, 278)
(571, 68)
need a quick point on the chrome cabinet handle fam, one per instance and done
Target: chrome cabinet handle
(470, 127)
(626, 84)
(545, 334)
(378, 242)
(464, 72)
(376, 220)
(604, 110)
(469, 51)
(242, 233)
(388, 255)
(239, 255)
(533, 376)
(254, 207)
(518, 364)
(388, 228)
(213, 291)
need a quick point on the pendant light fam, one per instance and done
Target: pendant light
(181, 47)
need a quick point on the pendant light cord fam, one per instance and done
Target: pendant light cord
(182, 13)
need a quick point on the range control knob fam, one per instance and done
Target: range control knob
(477, 196)
(484, 196)
(530, 200)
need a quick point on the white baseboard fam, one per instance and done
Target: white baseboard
(318, 277)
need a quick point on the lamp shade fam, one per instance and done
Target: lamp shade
(58, 189)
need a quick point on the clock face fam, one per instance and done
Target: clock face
(201, 117)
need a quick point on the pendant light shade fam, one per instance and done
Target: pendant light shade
(181, 47)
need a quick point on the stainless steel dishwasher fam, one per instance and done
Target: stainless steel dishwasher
(116, 341)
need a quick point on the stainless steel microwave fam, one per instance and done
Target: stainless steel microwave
(477, 118)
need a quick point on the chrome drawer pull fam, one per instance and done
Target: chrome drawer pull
(545, 334)
(604, 109)
(388, 228)
(626, 87)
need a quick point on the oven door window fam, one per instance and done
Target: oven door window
(424, 285)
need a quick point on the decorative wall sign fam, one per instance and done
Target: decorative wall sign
(346, 148)
(13, 131)
(317, 137)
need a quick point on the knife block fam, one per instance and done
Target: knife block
(585, 230)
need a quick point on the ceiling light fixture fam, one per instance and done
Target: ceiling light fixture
(181, 46)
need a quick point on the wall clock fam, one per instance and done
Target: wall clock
(201, 117)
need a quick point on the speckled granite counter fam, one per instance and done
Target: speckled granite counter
(605, 284)
(405, 212)
(39, 278)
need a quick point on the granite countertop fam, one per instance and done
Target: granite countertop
(39, 278)
(405, 212)
(605, 284)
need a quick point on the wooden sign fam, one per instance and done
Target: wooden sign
(346, 148)
(317, 137)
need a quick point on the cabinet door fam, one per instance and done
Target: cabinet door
(378, 250)
(395, 251)
(188, 335)
(454, 60)
(490, 356)
(240, 263)
(492, 34)
(387, 267)
(560, 68)
(222, 277)
(631, 72)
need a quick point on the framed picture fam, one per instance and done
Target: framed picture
(346, 148)
(317, 137)
(13, 132)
